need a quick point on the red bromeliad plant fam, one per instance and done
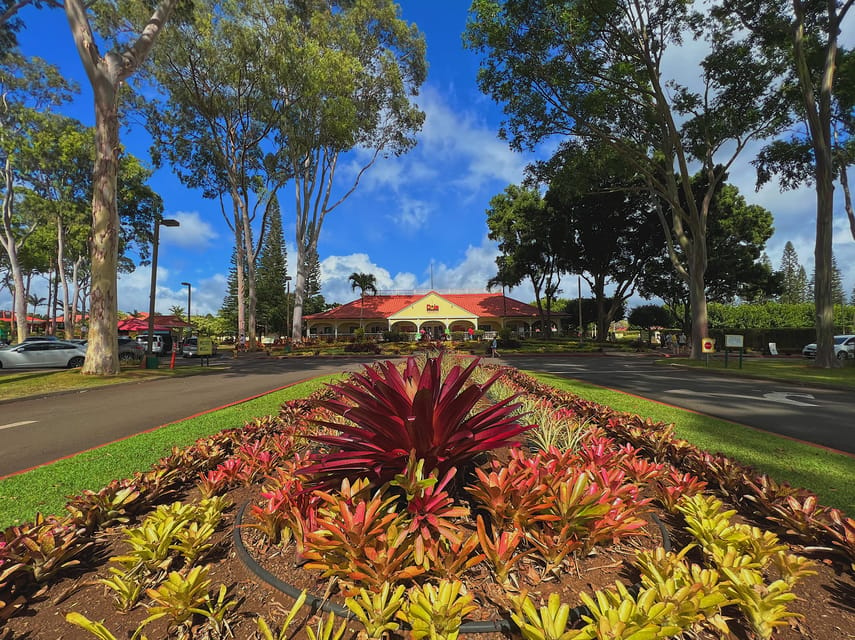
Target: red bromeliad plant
(390, 414)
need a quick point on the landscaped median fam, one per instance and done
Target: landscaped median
(437, 497)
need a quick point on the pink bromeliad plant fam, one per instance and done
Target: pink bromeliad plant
(390, 414)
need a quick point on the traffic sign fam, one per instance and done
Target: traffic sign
(708, 345)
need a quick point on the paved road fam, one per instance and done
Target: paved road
(821, 416)
(39, 430)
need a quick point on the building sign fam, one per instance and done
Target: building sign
(433, 307)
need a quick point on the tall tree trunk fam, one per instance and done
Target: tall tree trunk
(299, 288)
(240, 257)
(818, 115)
(60, 258)
(11, 246)
(106, 74)
(823, 266)
(250, 276)
(698, 302)
(101, 354)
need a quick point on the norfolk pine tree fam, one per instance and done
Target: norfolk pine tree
(271, 273)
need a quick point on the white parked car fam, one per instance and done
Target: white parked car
(42, 354)
(844, 347)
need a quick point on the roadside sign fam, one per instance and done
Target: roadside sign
(732, 341)
(205, 346)
(708, 345)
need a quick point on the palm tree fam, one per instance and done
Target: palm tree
(364, 282)
(36, 302)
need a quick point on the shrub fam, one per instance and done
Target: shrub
(389, 414)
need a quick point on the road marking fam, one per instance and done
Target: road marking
(16, 424)
(781, 397)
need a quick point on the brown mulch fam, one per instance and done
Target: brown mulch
(826, 601)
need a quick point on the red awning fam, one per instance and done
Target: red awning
(161, 323)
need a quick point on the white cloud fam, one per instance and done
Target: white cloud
(412, 214)
(470, 275)
(206, 296)
(194, 233)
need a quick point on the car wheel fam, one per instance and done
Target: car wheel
(842, 355)
(75, 362)
(126, 356)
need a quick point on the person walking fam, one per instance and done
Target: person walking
(681, 342)
(494, 348)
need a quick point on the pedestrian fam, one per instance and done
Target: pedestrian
(471, 332)
(667, 342)
(494, 348)
(681, 342)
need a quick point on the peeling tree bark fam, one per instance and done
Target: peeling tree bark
(106, 73)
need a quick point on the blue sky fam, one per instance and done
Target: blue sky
(414, 221)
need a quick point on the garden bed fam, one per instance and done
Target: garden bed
(61, 572)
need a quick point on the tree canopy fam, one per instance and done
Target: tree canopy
(596, 70)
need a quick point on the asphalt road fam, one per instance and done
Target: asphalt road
(821, 416)
(39, 430)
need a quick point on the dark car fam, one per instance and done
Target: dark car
(129, 349)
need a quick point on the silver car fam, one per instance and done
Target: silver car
(42, 354)
(844, 347)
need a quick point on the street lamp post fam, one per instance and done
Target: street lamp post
(287, 306)
(166, 222)
(189, 317)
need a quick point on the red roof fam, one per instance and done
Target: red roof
(6, 316)
(482, 305)
(140, 323)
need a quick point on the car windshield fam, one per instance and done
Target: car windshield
(839, 339)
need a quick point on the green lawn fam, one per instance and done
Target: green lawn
(827, 474)
(786, 369)
(33, 383)
(46, 488)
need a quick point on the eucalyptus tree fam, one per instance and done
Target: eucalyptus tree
(806, 37)
(29, 89)
(535, 244)
(57, 166)
(130, 30)
(221, 75)
(360, 66)
(596, 70)
(737, 233)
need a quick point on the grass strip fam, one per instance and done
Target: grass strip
(34, 383)
(800, 371)
(46, 489)
(826, 473)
